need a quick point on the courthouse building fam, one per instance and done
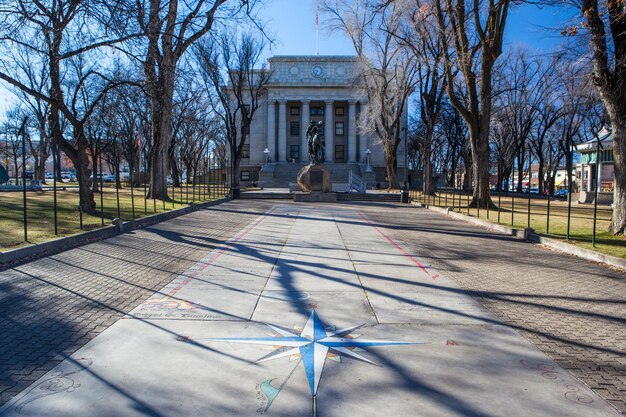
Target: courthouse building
(304, 89)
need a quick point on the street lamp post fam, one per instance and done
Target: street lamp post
(406, 165)
(368, 154)
(267, 156)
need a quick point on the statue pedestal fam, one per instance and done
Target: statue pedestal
(315, 197)
(315, 178)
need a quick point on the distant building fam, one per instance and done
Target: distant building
(304, 89)
(591, 172)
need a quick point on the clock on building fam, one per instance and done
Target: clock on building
(317, 71)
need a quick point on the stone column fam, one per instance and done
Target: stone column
(329, 131)
(282, 131)
(352, 131)
(363, 138)
(305, 119)
(271, 129)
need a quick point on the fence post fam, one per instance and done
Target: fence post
(548, 218)
(132, 193)
(145, 185)
(101, 193)
(24, 182)
(55, 149)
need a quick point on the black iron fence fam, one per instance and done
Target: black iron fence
(33, 212)
(555, 216)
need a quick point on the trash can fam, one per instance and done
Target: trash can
(236, 193)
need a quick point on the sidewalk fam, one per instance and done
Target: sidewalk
(306, 310)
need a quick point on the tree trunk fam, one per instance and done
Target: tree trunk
(175, 173)
(618, 125)
(161, 130)
(480, 166)
(392, 175)
(427, 187)
(540, 171)
(118, 180)
(81, 163)
(520, 170)
(96, 183)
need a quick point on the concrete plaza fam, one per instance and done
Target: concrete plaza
(292, 309)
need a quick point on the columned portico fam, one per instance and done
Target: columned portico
(303, 89)
(282, 131)
(329, 131)
(306, 119)
(351, 131)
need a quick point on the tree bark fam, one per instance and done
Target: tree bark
(618, 222)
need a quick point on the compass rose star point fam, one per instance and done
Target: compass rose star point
(313, 344)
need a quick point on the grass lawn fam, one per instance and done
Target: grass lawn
(514, 213)
(40, 211)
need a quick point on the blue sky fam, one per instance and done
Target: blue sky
(293, 24)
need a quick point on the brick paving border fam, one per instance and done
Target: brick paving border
(571, 309)
(52, 306)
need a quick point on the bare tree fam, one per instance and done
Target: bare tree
(12, 129)
(387, 68)
(606, 24)
(476, 33)
(171, 27)
(59, 31)
(233, 67)
(421, 34)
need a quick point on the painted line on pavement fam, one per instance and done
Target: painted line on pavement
(216, 255)
(397, 246)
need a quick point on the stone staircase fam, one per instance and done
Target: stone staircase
(373, 197)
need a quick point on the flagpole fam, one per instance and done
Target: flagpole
(317, 29)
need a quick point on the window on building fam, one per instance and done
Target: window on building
(339, 128)
(294, 111)
(317, 111)
(245, 150)
(244, 175)
(294, 128)
(339, 154)
(294, 153)
(339, 111)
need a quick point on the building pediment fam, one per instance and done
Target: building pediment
(313, 71)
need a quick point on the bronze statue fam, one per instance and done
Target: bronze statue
(316, 144)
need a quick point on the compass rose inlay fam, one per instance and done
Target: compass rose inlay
(313, 344)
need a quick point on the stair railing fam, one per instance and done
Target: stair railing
(356, 183)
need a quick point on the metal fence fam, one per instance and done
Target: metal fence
(558, 217)
(36, 213)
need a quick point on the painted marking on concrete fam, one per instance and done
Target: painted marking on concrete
(313, 345)
(397, 246)
(56, 383)
(215, 255)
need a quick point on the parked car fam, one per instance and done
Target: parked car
(68, 176)
(561, 193)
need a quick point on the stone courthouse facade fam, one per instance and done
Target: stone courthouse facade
(304, 89)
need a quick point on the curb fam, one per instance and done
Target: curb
(529, 235)
(38, 250)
